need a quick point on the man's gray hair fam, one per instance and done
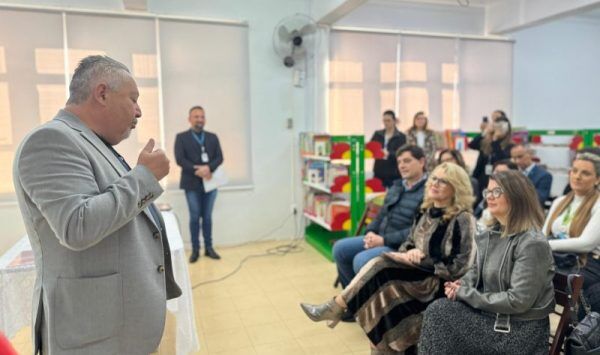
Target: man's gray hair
(92, 69)
(528, 148)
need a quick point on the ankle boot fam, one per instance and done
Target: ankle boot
(329, 311)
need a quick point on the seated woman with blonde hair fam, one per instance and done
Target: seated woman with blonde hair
(574, 223)
(390, 291)
(501, 305)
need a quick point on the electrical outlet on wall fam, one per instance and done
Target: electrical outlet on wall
(294, 209)
(289, 123)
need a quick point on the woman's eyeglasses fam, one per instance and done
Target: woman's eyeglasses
(496, 192)
(439, 181)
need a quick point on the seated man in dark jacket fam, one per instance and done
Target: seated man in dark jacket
(392, 225)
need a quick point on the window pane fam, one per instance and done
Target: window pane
(345, 111)
(485, 80)
(361, 90)
(94, 34)
(207, 64)
(413, 100)
(422, 79)
(22, 35)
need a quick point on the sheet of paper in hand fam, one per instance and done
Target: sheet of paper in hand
(218, 179)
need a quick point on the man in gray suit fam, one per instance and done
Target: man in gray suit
(102, 257)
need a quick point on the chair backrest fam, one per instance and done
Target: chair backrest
(371, 211)
(564, 298)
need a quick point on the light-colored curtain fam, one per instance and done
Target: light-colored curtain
(455, 81)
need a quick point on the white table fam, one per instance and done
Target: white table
(16, 289)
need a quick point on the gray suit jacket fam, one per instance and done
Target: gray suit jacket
(103, 266)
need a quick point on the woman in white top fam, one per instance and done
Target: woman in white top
(423, 137)
(574, 219)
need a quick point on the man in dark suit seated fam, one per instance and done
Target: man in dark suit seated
(198, 153)
(522, 155)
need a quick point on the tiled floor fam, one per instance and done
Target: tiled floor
(256, 310)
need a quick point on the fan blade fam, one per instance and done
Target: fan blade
(284, 34)
(308, 29)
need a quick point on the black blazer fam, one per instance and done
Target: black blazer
(387, 169)
(189, 153)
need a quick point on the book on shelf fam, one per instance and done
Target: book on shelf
(334, 171)
(315, 144)
(336, 208)
(321, 202)
(316, 172)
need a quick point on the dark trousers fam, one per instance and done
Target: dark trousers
(200, 206)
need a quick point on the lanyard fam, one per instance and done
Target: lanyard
(200, 139)
(567, 217)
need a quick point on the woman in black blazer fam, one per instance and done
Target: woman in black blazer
(494, 144)
(391, 139)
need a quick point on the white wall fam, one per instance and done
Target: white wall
(509, 16)
(417, 17)
(320, 8)
(557, 75)
(239, 216)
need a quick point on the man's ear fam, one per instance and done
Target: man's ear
(100, 92)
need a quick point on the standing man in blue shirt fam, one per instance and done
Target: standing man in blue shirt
(199, 154)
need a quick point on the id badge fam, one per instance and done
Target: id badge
(489, 168)
(204, 157)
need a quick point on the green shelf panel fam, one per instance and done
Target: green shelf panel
(322, 239)
(319, 237)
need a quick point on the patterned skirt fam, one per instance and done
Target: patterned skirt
(453, 327)
(387, 299)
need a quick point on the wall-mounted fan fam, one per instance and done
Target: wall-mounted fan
(294, 39)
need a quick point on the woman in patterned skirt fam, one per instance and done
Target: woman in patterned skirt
(389, 293)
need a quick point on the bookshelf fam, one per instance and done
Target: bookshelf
(335, 188)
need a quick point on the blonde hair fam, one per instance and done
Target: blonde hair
(413, 128)
(584, 211)
(463, 198)
(524, 210)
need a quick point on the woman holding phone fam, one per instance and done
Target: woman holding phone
(494, 144)
(390, 291)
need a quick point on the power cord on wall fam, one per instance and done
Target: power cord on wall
(280, 250)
